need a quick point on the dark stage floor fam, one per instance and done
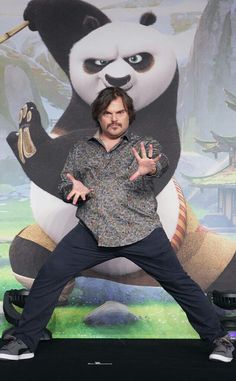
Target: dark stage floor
(85, 359)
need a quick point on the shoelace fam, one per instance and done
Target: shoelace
(13, 339)
(225, 341)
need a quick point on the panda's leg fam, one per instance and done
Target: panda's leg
(28, 252)
(77, 251)
(30, 135)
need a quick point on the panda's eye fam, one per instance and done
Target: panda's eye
(93, 65)
(135, 59)
(101, 62)
(141, 61)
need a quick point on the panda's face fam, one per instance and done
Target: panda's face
(134, 57)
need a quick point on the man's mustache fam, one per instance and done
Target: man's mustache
(114, 124)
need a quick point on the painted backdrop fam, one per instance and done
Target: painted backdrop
(177, 60)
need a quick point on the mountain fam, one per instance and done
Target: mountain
(211, 69)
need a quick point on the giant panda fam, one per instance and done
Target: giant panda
(95, 53)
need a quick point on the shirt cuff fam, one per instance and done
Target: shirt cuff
(64, 191)
(161, 166)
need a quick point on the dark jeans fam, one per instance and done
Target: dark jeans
(78, 251)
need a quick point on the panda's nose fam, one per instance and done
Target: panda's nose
(117, 82)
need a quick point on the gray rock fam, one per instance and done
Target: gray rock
(110, 313)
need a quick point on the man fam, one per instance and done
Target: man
(110, 178)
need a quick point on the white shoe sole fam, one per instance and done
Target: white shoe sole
(24, 356)
(220, 358)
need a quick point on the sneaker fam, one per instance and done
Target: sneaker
(223, 349)
(15, 349)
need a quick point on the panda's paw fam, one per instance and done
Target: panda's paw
(29, 124)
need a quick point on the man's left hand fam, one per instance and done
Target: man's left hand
(146, 164)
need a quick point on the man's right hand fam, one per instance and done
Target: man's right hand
(79, 190)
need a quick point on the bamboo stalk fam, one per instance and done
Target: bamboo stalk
(13, 31)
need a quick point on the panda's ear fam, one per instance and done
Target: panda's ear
(91, 23)
(148, 18)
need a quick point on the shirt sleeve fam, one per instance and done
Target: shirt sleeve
(163, 163)
(65, 185)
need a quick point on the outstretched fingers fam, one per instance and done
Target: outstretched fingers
(70, 177)
(150, 151)
(136, 154)
(79, 190)
(145, 160)
(143, 151)
(157, 158)
(134, 176)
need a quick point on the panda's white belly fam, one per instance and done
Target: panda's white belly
(57, 218)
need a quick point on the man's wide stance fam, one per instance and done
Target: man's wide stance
(110, 179)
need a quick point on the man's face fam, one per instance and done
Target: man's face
(114, 121)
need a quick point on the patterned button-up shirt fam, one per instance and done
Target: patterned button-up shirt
(119, 211)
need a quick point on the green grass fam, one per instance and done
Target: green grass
(7, 280)
(15, 215)
(157, 320)
(4, 250)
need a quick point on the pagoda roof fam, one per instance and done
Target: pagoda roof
(221, 143)
(208, 146)
(231, 100)
(231, 140)
(231, 105)
(224, 178)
